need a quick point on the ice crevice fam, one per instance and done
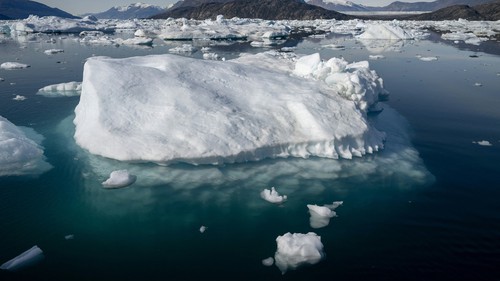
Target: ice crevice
(168, 109)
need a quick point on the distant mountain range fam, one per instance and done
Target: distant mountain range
(398, 6)
(132, 11)
(21, 9)
(489, 11)
(263, 9)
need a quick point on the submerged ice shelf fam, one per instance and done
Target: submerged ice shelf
(168, 108)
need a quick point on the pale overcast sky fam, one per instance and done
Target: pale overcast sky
(78, 7)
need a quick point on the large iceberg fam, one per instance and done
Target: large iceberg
(20, 151)
(168, 108)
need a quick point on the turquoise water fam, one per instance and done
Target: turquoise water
(425, 208)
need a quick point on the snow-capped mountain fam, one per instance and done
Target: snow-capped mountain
(338, 5)
(132, 11)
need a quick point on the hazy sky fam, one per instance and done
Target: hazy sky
(85, 6)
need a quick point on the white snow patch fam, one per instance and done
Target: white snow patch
(272, 196)
(13, 65)
(297, 249)
(20, 154)
(321, 215)
(26, 259)
(68, 89)
(118, 179)
(168, 108)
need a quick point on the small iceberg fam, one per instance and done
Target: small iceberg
(118, 179)
(13, 65)
(268, 262)
(321, 215)
(203, 229)
(272, 196)
(28, 258)
(298, 249)
(482, 143)
(68, 89)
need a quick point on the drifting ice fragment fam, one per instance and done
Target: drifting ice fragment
(68, 89)
(69, 237)
(272, 196)
(53, 51)
(483, 143)
(320, 215)
(13, 65)
(119, 178)
(28, 258)
(203, 229)
(268, 262)
(19, 98)
(297, 249)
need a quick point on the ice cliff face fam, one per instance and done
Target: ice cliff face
(168, 108)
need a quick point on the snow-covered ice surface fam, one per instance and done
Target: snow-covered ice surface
(168, 109)
(28, 258)
(51, 24)
(298, 249)
(67, 89)
(20, 151)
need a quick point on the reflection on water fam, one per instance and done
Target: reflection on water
(400, 220)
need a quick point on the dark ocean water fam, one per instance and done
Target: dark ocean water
(425, 208)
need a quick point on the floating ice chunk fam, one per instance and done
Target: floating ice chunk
(483, 143)
(51, 24)
(19, 98)
(376, 57)
(53, 51)
(333, 46)
(321, 215)
(427, 58)
(184, 49)
(272, 196)
(167, 108)
(69, 237)
(210, 56)
(118, 179)
(386, 31)
(13, 65)
(68, 89)
(268, 262)
(141, 41)
(297, 249)
(477, 84)
(28, 258)
(20, 151)
(203, 229)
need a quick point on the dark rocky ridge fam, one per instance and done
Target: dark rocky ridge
(21, 9)
(489, 11)
(262, 9)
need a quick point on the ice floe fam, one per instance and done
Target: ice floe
(118, 179)
(321, 215)
(13, 65)
(20, 151)
(28, 258)
(19, 98)
(272, 196)
(483, 143)
(268, 261)
(168, 108)
(298, 249)
(68, 89)
(51, 24)
(203, 229)
(53, 51)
